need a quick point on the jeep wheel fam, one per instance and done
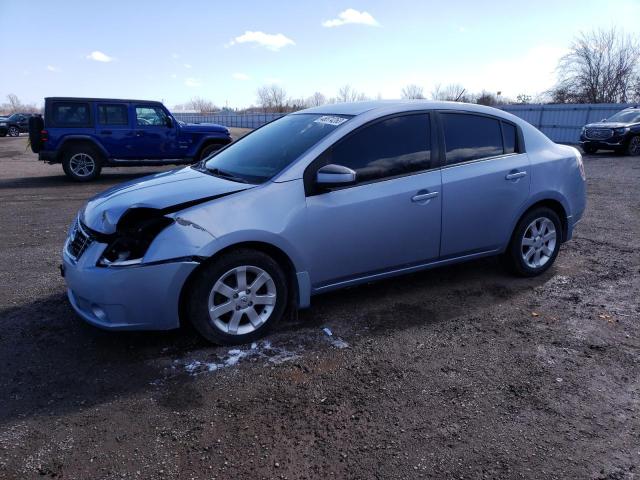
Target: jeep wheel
(209, 149)
(633, 148)
(82, 163)
(14, 132)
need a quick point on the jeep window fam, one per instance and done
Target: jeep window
(471, 137)
(71, 114)
(113, 114)
(625, 116)
(268, 150)
(150, 117)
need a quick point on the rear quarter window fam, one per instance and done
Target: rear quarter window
(510, 135)
(71, 114)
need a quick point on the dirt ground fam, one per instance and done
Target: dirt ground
(459, 372)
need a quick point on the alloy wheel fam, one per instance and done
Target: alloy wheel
(634, 145)
(538, 242)
(14, 132)
(242, 300)
(82, 164)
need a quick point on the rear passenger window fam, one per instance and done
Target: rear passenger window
(71, 114)
(470, 137)
(509, 134)
(396, 146)
(113, 115)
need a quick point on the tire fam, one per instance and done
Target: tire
(215, 289)
(589, 150)
(633, 147)
(528, 253)
(77, 156)
(3, 133)
(13, 131)
(209, 149)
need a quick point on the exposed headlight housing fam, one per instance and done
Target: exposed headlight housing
(135, 231)
(580, 164)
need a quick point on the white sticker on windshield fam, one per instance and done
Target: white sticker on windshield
(331, 120)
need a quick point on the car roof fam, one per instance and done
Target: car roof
(397, 106)
(86, 99)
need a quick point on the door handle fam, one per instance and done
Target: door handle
(139, 134)
(515, 175)
(421, 197)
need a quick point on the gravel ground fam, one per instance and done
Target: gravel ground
(460, 372)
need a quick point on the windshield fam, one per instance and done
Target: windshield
(625, 116)
(266, 152)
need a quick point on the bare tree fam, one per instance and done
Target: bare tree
(602, 66)
(316, 99)
(523, 98)
(412, 92)
(486, 98)
(201, 105)
(272, 98)
(348, 94)
(454, 92)
(14, 104)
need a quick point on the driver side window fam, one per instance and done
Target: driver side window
(392, 147)
(150, 117)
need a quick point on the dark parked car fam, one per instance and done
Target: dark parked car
(15, 124)
(87, 134)
(620, 133)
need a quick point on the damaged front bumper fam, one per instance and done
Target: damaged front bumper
(140, 297)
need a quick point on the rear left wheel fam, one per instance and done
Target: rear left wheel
(535, 242)
(238, 298)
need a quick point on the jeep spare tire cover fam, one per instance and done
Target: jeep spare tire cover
(36, 124)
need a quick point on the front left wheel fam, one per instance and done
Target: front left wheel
(238, 298)
(633, 148)
(13, 132)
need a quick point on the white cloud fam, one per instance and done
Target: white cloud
(175, 55)
(351, 15)
(98, 56)
(173, 75)
(271, 41)
(51, 68)
(193, 82)
(240, 76)
(187, 65)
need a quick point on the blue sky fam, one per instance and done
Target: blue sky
(224, 51)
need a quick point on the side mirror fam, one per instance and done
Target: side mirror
(169, 122)
(335, 176)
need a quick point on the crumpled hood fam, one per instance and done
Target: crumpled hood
(160, 191)
(204, 128)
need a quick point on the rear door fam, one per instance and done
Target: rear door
(154, 134)
(114, 128)
(485, 181)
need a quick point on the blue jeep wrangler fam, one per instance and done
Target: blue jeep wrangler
(86, 134)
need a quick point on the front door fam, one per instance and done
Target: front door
(390, 218)
(114, 129)
(154, 134)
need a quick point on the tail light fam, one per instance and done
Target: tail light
(44, 136)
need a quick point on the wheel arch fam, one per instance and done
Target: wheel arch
(551, 203)
(71, 140)
(206, 141)
(296, 290)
